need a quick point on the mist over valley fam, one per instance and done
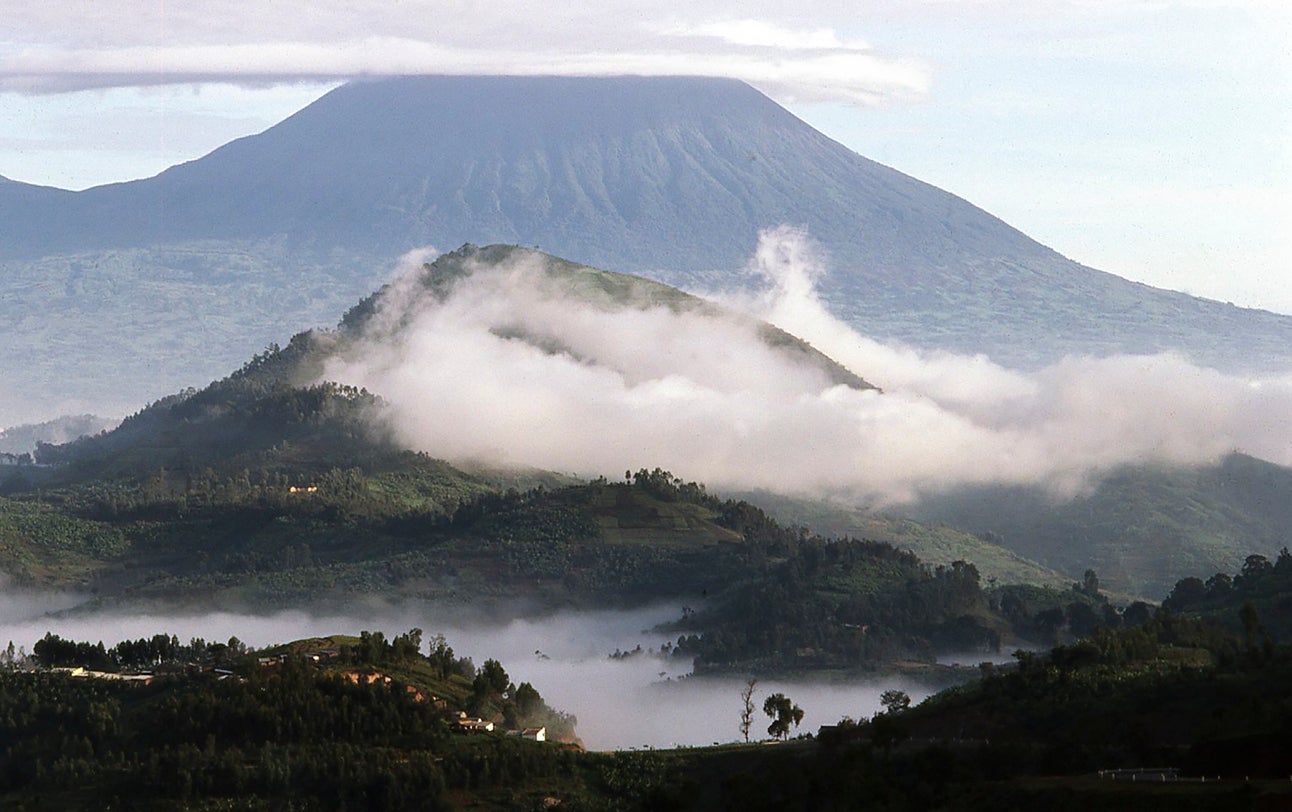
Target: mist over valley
(647, 699)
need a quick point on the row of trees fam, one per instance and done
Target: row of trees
(146, 652)
(846, 602)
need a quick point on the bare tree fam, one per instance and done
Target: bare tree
(747, 715)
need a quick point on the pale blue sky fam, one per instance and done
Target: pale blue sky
(1149, 139)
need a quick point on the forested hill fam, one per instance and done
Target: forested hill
(1255, 601)
(275, 409)
(327, 723)
(1143, 527)
(279, 537)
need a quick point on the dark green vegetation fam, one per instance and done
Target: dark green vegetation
(1172, 692)
(328, 723)
(1257, 599)
(1142, 528)
(1172, 698)
(770, 595)
(932, 543)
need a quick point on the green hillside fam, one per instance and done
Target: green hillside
(763, 593)
(328, 723)
(936, 544)
(1128, 721)
(1255, 601)
(274, 412)
(1142, 528)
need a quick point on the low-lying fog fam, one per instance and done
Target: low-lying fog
(705, 396)
(641, 701)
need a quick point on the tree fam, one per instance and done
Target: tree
(492, 677)
(1255, 566)
(406, 646)
(894, 701)
(747, 713)
(1082, 619)
(1137, 614)
(1253, 629)
(1090, 584)
(528, 701)
(1050, 621)
(489, 685)
(782, 711)
(1186, 593)
(440, 656)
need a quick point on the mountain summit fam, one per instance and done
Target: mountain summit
(633, 173)
(671, 177)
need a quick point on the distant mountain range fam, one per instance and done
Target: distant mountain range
(124, 292)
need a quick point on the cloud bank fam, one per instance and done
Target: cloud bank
(513, 368)
(58, 47)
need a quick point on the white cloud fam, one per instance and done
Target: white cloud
(703, 396)
(769, 35)
(57, 49)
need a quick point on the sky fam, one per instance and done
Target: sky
(1148, 138)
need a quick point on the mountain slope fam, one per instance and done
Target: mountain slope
(1143, 528)
(630, 172)
(934, 544)
(674, 176)
(276, 399)
(585, 288)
